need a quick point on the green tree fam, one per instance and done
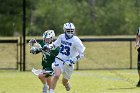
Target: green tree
(10, 16)
(117, 17)
(91, 17)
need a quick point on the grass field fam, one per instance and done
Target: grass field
(94, 81)
(98, 55)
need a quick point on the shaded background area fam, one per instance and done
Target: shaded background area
(8, 56)
(98, 55)
(91, 17)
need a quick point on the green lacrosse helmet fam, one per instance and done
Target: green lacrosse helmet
(48, 36)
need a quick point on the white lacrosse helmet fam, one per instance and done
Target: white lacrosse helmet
(69, 29)
(48, 36)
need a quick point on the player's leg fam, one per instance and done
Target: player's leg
(44, 82)
(138, 85)
(66, 83)
(66, 76)
(49, 81)
(57, 73)
(58, 68)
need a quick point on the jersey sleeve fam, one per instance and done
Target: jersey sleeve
(80, 48)
(57, 42)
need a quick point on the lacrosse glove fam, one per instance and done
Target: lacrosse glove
(69, 62)
(33, 50)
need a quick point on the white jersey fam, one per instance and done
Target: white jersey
(69, 48)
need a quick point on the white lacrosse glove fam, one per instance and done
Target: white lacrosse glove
(69, 62)
(33, 50)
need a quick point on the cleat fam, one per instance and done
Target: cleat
(138, 85)
(67, 87)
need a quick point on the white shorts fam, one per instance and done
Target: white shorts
(65, 69)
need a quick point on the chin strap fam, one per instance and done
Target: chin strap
(67, 36)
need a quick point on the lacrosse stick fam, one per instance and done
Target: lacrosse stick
(39, 71)
(34, 43)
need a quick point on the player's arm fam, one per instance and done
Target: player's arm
(57, 42)
(80, 48)
(137, 38)
(35, 47)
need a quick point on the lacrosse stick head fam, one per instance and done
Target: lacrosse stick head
(36, 72)
(32, 42)
(39, 71)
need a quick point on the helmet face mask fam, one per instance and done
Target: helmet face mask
(69, 29)
(47, 40)
(70, 32)
(48, 36)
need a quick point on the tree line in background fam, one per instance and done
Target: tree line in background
(91, 17)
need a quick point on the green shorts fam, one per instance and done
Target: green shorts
(48, 69)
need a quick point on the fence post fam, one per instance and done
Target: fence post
(130, 54)
(77, 65)
(20, 53)
(24, 35)
(17, 53)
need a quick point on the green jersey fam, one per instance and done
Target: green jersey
(48, 58)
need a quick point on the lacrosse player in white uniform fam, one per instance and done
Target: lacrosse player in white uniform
(71, 50)
(138, 49)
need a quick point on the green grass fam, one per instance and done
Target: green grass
(104, 55)
(95, 81)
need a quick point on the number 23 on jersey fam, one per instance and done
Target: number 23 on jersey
(65, 50)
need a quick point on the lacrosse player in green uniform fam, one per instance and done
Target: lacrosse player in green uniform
(48, 57)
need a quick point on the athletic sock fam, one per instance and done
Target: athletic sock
(45, 88)
(51, 91)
